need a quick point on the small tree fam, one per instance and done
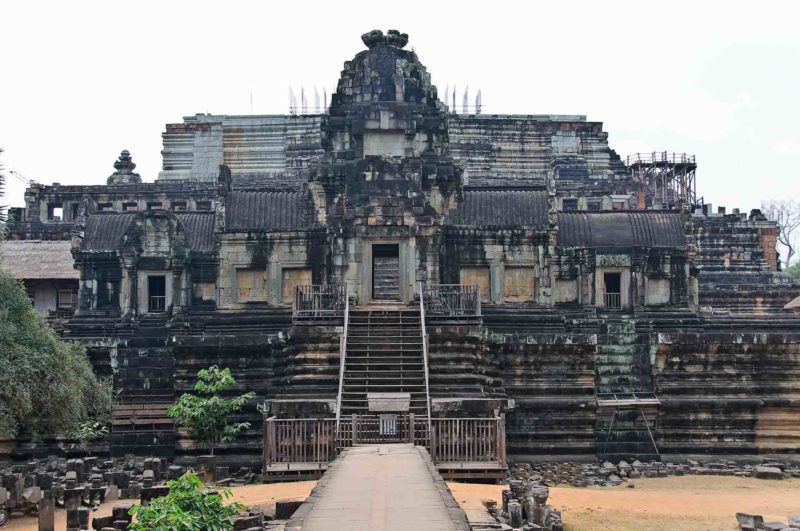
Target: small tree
(87, 432)
(187, 507)
(787, 215)
(206, 412)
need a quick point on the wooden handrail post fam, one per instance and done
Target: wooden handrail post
(342, 358)
(354, 421)
(411, 428)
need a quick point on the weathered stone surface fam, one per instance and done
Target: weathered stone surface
(590, 285)
(767, 472)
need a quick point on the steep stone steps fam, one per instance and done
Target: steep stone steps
(384, 354)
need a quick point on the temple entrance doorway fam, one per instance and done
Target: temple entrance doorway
(386, 272)
(613, 285)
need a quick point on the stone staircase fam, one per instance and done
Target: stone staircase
(384, 355)
(622, 367)
(622, 364)
(145, 378)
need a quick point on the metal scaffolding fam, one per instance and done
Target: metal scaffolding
(670, 178)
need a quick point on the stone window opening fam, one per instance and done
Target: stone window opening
(130, 207)
(55, 212)
(613, 290)
(156, 293)
(569, 205)
(179, 206)
(105, 207)
(203, 205)
(154, 205)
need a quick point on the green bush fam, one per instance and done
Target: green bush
(794, 271)
(47, 386)
(206, 413)
(187, 507)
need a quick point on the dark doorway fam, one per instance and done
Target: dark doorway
(156, 293)
(386, 272)
(613, 292)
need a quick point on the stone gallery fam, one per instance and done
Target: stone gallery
(394, 269)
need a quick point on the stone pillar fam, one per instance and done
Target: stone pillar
(47, 513)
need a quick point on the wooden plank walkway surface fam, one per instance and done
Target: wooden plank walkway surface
(387, 487)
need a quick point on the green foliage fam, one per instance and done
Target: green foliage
(47, 385)
(89, 431)
(206, 413)
(187, 507)
(794, 271)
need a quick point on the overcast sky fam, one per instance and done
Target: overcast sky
(82, 81)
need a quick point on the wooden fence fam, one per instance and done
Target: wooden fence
(449, 440)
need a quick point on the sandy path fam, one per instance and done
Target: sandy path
(263, 496)
(689, 503)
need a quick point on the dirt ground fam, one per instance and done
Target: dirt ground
(688, 503)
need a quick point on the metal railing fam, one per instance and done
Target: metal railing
(425, 352)
(156, 303)
(660, 157)
(318, 302)
(452, 300)
(342, 358)
(613, 300)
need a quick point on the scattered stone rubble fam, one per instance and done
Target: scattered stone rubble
(525, 503)
(80, 484)
(755, 522)
(607, 474)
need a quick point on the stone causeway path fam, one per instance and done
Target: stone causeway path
(386, 487)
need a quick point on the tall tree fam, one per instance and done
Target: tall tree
(47, 386)
(786, 214)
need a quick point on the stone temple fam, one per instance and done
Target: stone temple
(391, 259)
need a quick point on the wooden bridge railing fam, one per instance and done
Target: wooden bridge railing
(314, 303)
(299, 440)
(449, 440)
(452, 300)
(470, 440)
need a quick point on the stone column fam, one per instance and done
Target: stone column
(47, 513)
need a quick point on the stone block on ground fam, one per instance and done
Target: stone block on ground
(767, 472)
(284, 509)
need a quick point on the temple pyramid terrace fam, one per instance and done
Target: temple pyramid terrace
(490, 288)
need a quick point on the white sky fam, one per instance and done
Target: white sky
(83, 80)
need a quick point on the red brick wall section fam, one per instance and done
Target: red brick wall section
(767, 240)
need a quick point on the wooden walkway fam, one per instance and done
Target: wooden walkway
(388, 487)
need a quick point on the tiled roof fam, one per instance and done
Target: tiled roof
(502, 208)
(199, 227)
(247, 211)
(36, 259)
(620, 229)
(104, 231)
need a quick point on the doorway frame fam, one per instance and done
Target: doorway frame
(407, 254)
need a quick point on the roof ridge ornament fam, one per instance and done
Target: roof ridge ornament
(124, 174)
(392, 38)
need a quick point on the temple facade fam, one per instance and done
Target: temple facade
(595, 304)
